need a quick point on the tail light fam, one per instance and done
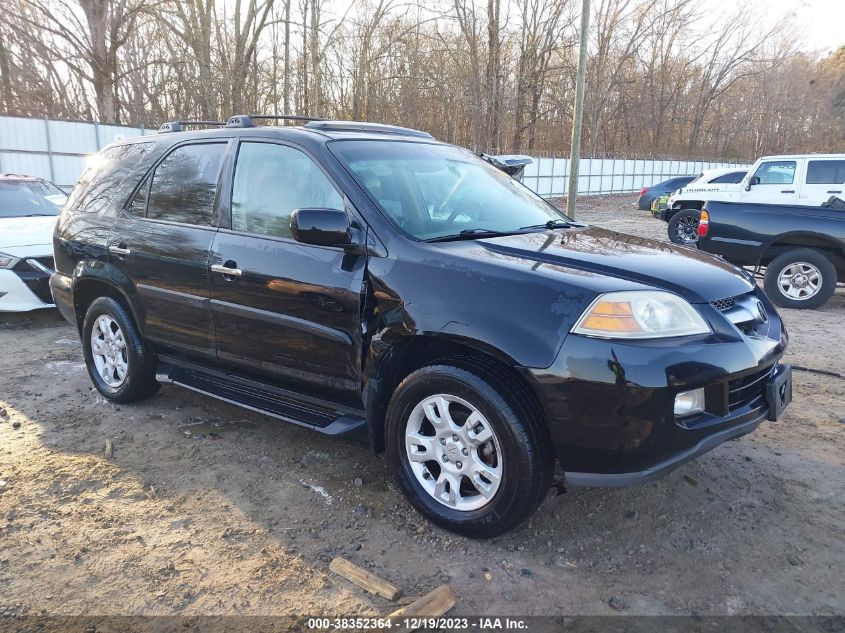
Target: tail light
(703, 223)
(643, 191)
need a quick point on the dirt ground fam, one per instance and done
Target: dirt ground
(204, 508)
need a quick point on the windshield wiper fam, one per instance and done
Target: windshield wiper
(468, 234)
(552, 224)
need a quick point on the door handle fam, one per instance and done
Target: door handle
(121, 249)
(226, 271)
(787, 190)
(835, 191)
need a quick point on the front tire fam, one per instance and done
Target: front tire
(468, 451)
(683, 227)
(800, 278)
(119, 363)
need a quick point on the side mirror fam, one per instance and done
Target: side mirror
(752, 180)
(321, 227)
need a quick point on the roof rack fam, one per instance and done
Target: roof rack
(178, 126)
(245, 120)
(358, 126)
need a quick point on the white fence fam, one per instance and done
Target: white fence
(550, 176)
(57, 150)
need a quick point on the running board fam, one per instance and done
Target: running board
(322, 416)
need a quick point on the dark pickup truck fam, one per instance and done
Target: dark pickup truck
(801, 247)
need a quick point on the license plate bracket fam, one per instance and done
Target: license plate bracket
(779, 391)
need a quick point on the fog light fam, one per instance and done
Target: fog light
(689, 403)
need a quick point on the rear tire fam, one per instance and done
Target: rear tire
(683, 227)
(800, 278)
(480, 481)
(120, 364)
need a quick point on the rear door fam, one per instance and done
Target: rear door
(285, 312)
(779, 181)
(161, 245)
(825, 178)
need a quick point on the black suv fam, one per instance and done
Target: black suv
(353, 276)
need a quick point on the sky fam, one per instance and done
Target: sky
(821, 21)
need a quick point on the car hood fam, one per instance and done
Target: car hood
(31, 231)
(696, 276)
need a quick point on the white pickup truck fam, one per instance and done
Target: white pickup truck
(804, 180)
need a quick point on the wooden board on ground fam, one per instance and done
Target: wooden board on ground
(364, 579)
(432, 605)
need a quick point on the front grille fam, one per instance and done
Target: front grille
(36, 279)
(746, 390)
(746, 312)
(724, 304)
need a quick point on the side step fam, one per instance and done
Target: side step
(326, 417)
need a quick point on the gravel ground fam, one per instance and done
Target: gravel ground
(204, 508)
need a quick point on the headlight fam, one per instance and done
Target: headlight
(640, 314)
(7, 261)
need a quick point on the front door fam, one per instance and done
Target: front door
(778, 183)
(161, 244)
(285, 312)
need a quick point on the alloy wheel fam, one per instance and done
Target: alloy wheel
(108, 351)
(453, 452)
(687, 229)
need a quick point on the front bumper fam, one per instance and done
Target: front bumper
(656, 471)
(26, 286)
(609, 405)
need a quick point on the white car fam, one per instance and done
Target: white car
(684, 229)
(29, 208)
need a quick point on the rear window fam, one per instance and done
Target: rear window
(21, 198)
(826, 172)
(97, 188)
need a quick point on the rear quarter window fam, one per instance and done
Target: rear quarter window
(98, 189)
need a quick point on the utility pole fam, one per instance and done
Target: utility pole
(578, 114)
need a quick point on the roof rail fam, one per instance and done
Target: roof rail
(177, 126)
(245, 120)
(359, 126)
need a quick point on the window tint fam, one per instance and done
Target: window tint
(776, 172)
(97, 188)
(677, 183)
(733, 178)
(270, 182)
(138, 206)
(826, 172)
(184, 184)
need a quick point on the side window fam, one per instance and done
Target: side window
(184, 184)
(826, 172)
(96, 190)
(733, 178)
(270, 182)
(776, 172)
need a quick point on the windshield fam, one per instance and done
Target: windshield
(431, 191)
(19, 198)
